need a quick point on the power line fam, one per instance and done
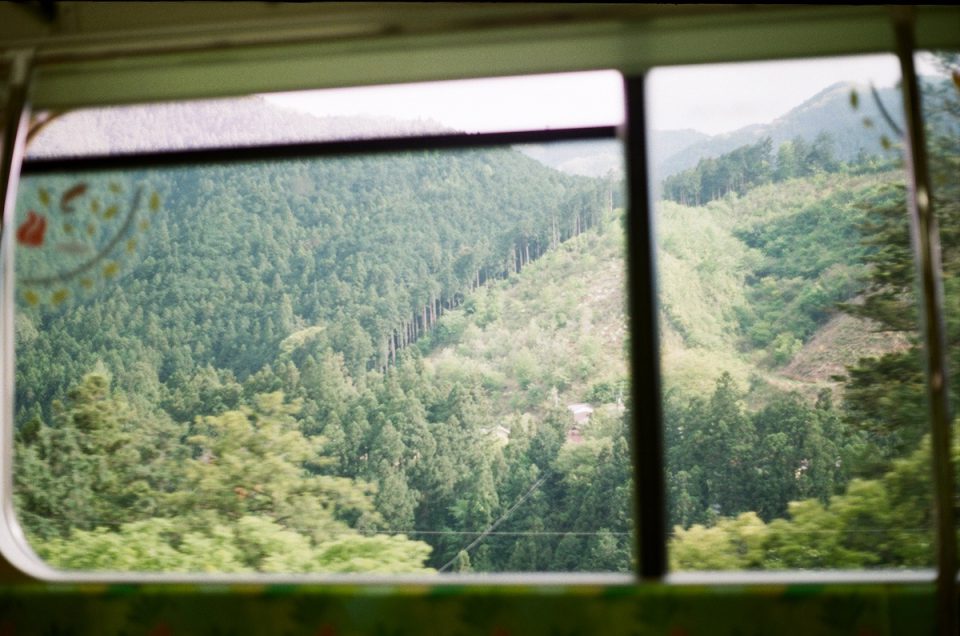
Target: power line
(496, 523)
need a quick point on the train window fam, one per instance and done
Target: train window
(794, 408)
(184, 412)
(398, 347)
(534, 102)
(397, 360)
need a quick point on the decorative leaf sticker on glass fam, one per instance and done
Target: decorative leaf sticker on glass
(30, 233)
(82, 234)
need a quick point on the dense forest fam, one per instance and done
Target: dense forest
(754, 165)
(861, 493)
(382, 364)
(287, 329)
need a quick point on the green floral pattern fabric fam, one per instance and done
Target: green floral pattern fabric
(860, 610)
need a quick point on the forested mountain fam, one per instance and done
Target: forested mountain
(588, 158)
(367, 277)
(417, 362)
(828, 112)
(270, 311)
(202, 124)
(883, 517)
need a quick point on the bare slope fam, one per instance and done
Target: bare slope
(555, 333)
(547, 336)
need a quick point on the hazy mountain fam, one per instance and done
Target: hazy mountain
(828, 111)
(252, 120)
(666, 143)
(596, 158)
(599, 158)
(207, 123)
(673, 151)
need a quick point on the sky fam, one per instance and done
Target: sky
(486, 105)
(724, 97)
(709, 98)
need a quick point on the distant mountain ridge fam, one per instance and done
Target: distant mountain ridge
(596, 158)
(240, 121)
(673, 151)
(828, 111)
(253, 119)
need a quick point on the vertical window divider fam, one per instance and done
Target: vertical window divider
(647, 430)
(926, 247)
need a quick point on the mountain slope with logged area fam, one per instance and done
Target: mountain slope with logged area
(553, 335)
(418, 362)
(218, 367)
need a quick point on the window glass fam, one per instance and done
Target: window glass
(400, 363)
(795, 420)
(940, 95)
(534, 102)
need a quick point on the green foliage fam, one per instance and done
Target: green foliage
(98, 464)
(886, 396)
(248, 544)
(811, 262)
(723, 460)
(884, 522)
(392, 354)
(732, 544)
(252, 505)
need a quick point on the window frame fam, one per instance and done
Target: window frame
(13, 544)
(59, 71)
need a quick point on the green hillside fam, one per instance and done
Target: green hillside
(218, 368)
(553, 335)
(740, 398)
(373, 257)
(414, 363)
(556, 332)
(747, 283)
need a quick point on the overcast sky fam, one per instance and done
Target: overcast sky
(485, 105)
(724, 97)
(711, 98)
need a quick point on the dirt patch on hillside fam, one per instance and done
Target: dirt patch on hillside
(841, 343)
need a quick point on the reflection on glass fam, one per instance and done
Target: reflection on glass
(393, 364)
(532, 102)
(940, 96)
(794, 412)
